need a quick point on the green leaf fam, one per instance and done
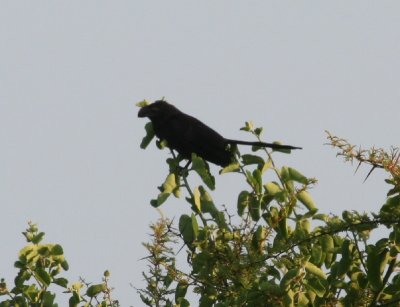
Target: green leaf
(168, 187)
(48, 299)
(160, 200)
(316, 286)
(187, 228)
(376, 262)
(267, 165)
(248, 126)
(394, 250)
(74, 300)
(305, 198)
(272, 217)
(252, 159)
(181, 290)
(149, 135)
(207, 206)
(286, 281)
(346, 260)
(254, 208)
(305, 225)
(142, 103)
(258, 131)
(283, 228)
(196, 196)
(202, 168)
(57, 250)
(317, 255)
(63, 282)
(259, 237)
(38, 238)
(44, 249)
(195, 226)
(273, 188)
(169, 184)
(363, 280)
(19, 264)
(233, 167)
(28, 251)
(393, 191)
(32, 292)
(284, 173)
(95, 289)
(295, 175)
(76, 286)
(21, 277)
(288, 299)
(161, 144)
(243, 202)
(392, 206)
(303, 300)
(258, 180)
(28, 235)
(327, 244)
(321, 216)
(207, 300)
(251, 180)
(65, 265)
(183, 303)
(43, 276)
(20, 302)
(313, 269)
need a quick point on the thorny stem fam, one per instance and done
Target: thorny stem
(376, 157)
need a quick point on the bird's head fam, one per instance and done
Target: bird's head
(157, 110)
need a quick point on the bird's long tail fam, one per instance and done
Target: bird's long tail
(262, 144)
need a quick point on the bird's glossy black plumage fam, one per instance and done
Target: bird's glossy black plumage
(188, 135)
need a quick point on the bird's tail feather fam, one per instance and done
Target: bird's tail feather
(262, 144)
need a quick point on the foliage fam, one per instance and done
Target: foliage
(40, 266)
(278, 250)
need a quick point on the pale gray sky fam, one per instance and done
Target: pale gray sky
(71, 72)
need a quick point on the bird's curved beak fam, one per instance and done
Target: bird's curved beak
(143, 112)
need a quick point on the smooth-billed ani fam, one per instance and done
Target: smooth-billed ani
(188, 135)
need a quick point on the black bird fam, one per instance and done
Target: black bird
(188, 135)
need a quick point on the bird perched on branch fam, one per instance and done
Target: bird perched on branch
(188, 135)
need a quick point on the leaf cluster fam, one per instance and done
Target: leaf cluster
(40, 268)
(278, 250)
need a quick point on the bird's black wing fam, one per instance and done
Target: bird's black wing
(188, 135)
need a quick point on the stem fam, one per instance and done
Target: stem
(272, 161)
(359, 251)
(186, 184)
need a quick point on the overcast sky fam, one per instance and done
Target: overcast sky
(72, 71)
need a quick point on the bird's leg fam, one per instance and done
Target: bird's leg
(187, 164)
(181, 171)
